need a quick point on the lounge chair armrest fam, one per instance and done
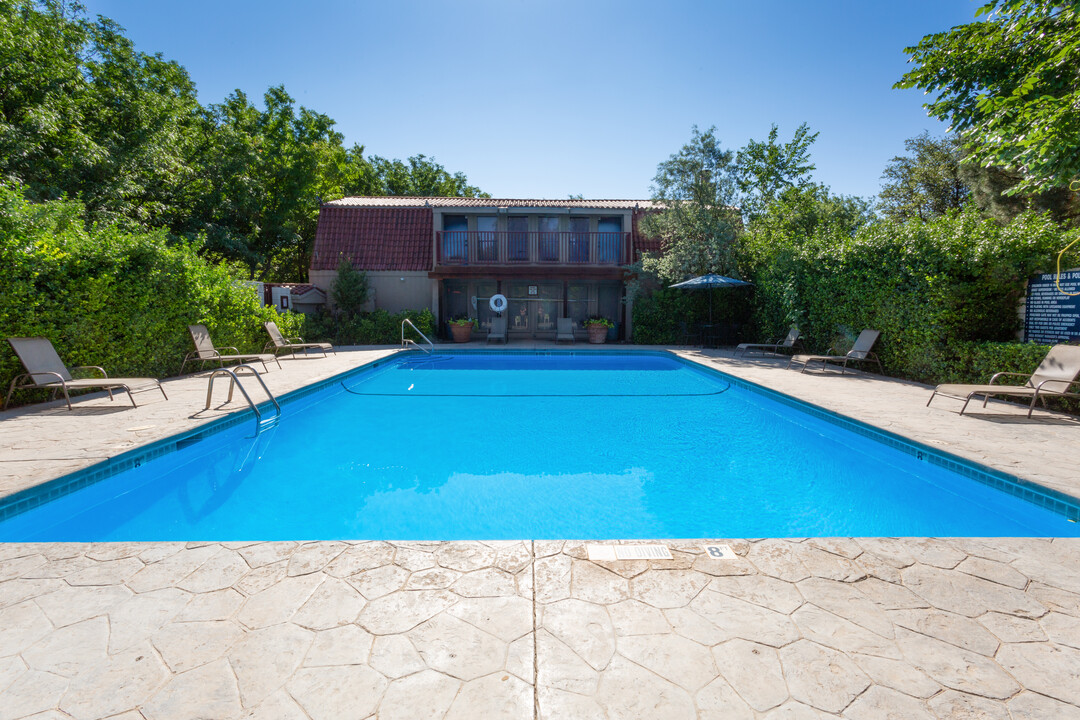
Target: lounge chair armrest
(92, 367)
(296, 339)
(1007, 374)
(1067, 386)
(235, 351)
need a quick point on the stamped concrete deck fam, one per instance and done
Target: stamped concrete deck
(817, 628)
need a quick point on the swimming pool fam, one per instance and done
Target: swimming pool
(588, 445)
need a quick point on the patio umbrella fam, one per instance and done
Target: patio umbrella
(708, 282)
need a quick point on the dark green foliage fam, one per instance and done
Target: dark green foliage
(350, 290)
(976, 362)
(657, 316)
(992, 191)
(765, 170)
(927, 183)
(419, 177)
(923, 285)
(85, 115)
(113, 298)
(697, 187)
(374, 328)
(1009, 85)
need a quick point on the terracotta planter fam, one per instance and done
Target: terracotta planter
(597, 333)
(461, 333)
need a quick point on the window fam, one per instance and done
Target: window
(487, 242)
(548, 240)
(284, 302)
(455, 238)
(579, 240)
(517, 239)
(609, 240)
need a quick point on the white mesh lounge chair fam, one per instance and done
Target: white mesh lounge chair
(1055, 377)
(205, 351)
(280, 343)
(860, 352)
(498, 329)
(45, 370)
(564, 330)
(774, 345)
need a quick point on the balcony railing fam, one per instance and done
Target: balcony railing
(458, 247)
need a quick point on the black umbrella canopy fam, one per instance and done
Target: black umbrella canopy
(708, 282)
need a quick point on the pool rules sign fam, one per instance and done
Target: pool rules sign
(1050, 315)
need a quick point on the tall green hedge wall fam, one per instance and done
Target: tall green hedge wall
(122, 301)
(945, 294)
(928, 287)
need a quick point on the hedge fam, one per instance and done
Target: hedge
(374, 328)
(928, 287)
(120, 300)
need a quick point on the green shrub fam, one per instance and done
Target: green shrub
(976, 362)
(657, 316)
(374, 328)
(925, 286)
(111, 298)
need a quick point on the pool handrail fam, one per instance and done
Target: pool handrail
(235, 382)
(405, 342)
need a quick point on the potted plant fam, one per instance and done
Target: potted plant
(461, 328)
(597, 327)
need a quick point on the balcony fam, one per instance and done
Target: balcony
(487, 248)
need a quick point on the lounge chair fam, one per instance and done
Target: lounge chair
(860, 352)
(1054, 377)
(205, 351)
(773, 345)
(45, 370)
(279, 343)
(498, 329)
(564, 330)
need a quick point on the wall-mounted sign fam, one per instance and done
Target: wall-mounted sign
(532, 289)
(1050, 315)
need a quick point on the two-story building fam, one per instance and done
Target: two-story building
(549, 258)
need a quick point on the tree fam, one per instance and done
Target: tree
(698, 225)
(349, 291)
(927, 182)
(268, 170)
(420, 176)
(765, 169)
(992, 192)
(1009, 86)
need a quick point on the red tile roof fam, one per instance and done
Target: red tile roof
(296, 288)
(452, 202)
(643, 244)
(373, 238)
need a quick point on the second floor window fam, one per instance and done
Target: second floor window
(517, 239)
(578, 249)
(455, 238)
(487, 242)
(548, 241)
(609, 239)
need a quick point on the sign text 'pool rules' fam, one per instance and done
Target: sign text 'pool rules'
(1050, 315)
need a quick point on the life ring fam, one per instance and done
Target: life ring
(497, 303)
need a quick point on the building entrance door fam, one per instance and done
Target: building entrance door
(533, 307)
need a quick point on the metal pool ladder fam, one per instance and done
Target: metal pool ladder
(235, 382)
(405, 342)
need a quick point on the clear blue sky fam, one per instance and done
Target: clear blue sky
(544, 99)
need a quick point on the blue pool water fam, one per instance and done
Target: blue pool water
(488, 446)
